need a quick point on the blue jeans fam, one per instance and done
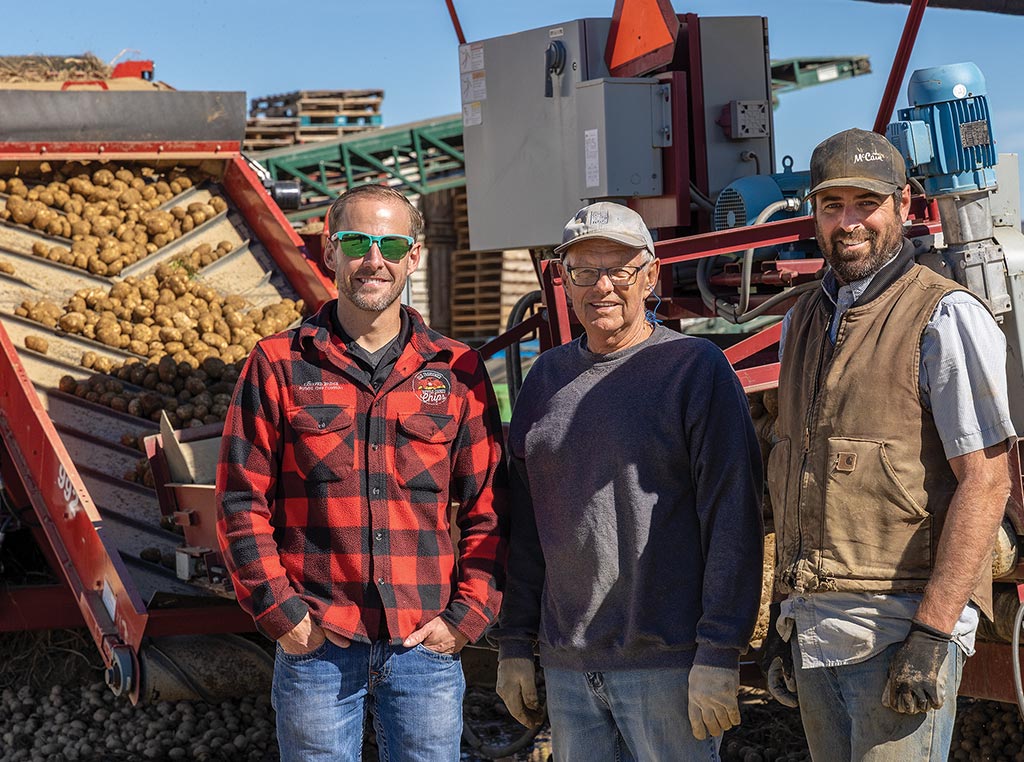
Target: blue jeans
(321, 700)
(623, 716)
(843, 717)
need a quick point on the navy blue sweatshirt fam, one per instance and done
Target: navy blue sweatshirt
(636, 509)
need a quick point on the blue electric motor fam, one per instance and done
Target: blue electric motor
(945, 135)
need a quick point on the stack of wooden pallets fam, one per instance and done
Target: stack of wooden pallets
(485, 285)
(307, 116)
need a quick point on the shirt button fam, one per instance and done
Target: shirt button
(321, 425)
(376, 490)
(374, 447)
(380, 580)
(379, 535)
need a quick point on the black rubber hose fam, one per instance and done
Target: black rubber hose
(494, 751)
(513, 357)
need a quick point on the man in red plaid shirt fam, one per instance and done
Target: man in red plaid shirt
(347, 440)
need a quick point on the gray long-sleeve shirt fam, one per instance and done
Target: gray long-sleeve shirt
(636, 509)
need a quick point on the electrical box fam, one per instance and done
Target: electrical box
(736, 83)
(547, 131)
(524, 164)
(623, 124)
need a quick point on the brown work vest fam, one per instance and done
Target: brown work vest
(859, 480)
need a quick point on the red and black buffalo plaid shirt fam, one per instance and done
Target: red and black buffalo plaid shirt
(334, 499)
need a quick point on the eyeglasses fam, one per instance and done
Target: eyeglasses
(355, 244)
(619, 276)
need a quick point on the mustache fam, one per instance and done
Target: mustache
(380, 272)
(848, 238)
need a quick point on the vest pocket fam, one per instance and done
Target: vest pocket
(324, 444)
(873, 529)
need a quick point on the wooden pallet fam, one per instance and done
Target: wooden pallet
(460, 213)
(485, 285)
(265, 144)
(308, 102)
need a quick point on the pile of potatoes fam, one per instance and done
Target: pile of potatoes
(163, 314)
(191, 342)
(110, 215)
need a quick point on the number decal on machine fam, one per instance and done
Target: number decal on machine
(71, 502)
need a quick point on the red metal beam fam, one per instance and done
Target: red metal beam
(202, 149)
(559, 331)
(760, 378)
(95, 574)
(754, 343)
(899, 65)
(734, 239)
(39, 607)
(455, 22)
(989, 673)
(199, 620)
(273, 229)
(533, 323)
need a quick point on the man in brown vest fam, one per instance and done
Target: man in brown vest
(889, 475)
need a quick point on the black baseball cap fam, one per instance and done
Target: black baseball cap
(857, 159)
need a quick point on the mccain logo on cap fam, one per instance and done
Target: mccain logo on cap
(871, 156)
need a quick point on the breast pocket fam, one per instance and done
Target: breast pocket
(423, 451)
(324, 441)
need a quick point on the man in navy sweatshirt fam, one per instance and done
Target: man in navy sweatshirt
(636, 551)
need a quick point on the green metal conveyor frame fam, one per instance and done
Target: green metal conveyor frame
(422, 157)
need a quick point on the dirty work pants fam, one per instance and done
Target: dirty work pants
(623, 716)
(843, 716)
(321, 700)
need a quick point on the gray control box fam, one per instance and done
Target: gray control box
(546, 130)
(623, 125)
(523, 170)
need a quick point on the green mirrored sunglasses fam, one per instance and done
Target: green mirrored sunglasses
(356, 244)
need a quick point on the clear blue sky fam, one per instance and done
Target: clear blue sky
(409, 48)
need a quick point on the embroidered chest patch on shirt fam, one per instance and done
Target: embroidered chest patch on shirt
(431, 387)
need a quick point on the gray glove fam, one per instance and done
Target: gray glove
(517, 686)
(917, 681)
(712, 704)
(777, 663)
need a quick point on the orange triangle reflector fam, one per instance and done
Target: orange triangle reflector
(642, 36)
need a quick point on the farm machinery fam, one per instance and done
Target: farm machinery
(133, 229)
(671, 114)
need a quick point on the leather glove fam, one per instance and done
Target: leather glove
(517, 686)
(916, 680)
(777, 663)
(712, 704)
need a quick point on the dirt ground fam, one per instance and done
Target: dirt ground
(53, 707)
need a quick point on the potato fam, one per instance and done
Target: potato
(72, 322)
(37, 343)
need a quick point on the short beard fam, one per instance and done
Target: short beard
(365, 302)
(883, 245)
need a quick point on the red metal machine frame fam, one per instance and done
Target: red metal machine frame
(986, 674)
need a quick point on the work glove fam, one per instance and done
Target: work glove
(712, 702)
(777, 663)
(916, 680)
(517, 686)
